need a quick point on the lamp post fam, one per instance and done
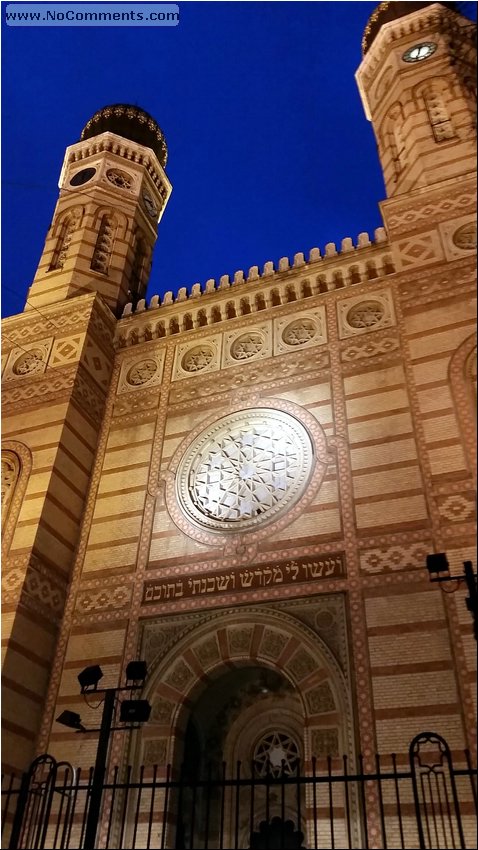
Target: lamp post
(132, 711)
(439, 571)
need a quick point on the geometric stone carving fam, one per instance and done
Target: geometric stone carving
(302, 664)
(202, 357)
(273, 643)
(365, 314)
(246, 346)
(320, 699)
(28, 362)
(325, 742)
(197, 359)
(359, 315)
(155, 752)
(276, 754)
(120, 178)
(306, 329)
(299, 332)
(141, 372)
(245, 469)
(465, 236)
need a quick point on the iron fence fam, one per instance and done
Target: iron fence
(427, 800)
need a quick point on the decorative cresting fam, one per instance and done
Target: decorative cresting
(245, 469)
(130, 122)
(256, 467)
(391, 11)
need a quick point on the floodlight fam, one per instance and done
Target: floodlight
(136, 671)
(437, 563)
(71, 719)
(89, 678)
(135, 711)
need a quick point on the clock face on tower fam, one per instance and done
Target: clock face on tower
(149, 204)
(419, 51)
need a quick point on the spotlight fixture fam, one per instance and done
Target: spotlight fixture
(437, 563)
(71, 719)
(135, 711)
(89, 678)
(136, 671)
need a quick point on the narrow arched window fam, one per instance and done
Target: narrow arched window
(438, 114)
(104, 245)
(67, 229)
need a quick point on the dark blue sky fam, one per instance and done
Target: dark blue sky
(269, 150)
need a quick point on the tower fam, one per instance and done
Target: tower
(418, 88)
(113, 192)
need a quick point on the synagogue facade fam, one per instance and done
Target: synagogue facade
(240, 483)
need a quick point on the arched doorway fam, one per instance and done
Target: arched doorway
(242, 685)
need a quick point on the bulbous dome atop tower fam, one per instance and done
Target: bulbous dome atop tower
(132, 123)
(391, 11)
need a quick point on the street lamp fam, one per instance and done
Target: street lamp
(439, 571)
(132, 711)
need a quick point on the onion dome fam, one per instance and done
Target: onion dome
(391, 11)
(132, 123)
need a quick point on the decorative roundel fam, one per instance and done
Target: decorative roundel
(82, 176)
(247, 345)
(246, 469)
(366, 314)
(299, 332)
(465, 236)
(29, 362)
(419, 51)
(276, 754)
(119, 178)
(141, 373)
(197, 358)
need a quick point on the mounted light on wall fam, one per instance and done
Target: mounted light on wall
(439, 571)
(89, 678)
(71, 719)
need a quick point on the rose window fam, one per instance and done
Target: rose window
(247, 468)
(299, 332)
(29, 362)
(197, 358)
(142, 372)
(247, 346)
(119, 178)
(366, 314)
(276, 754)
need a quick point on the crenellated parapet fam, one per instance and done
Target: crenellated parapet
(277, 285)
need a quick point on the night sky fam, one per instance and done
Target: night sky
(269, 149)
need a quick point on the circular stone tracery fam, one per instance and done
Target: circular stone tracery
(465, 236)
(142, 372)
(366, 314)
(299, 332)
(30, 361)
(197, 358)
(247, 346)
(119, 178)
(246, 469)
(276, 754)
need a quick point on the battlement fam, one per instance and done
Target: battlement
(269, 272)
(244, 295)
